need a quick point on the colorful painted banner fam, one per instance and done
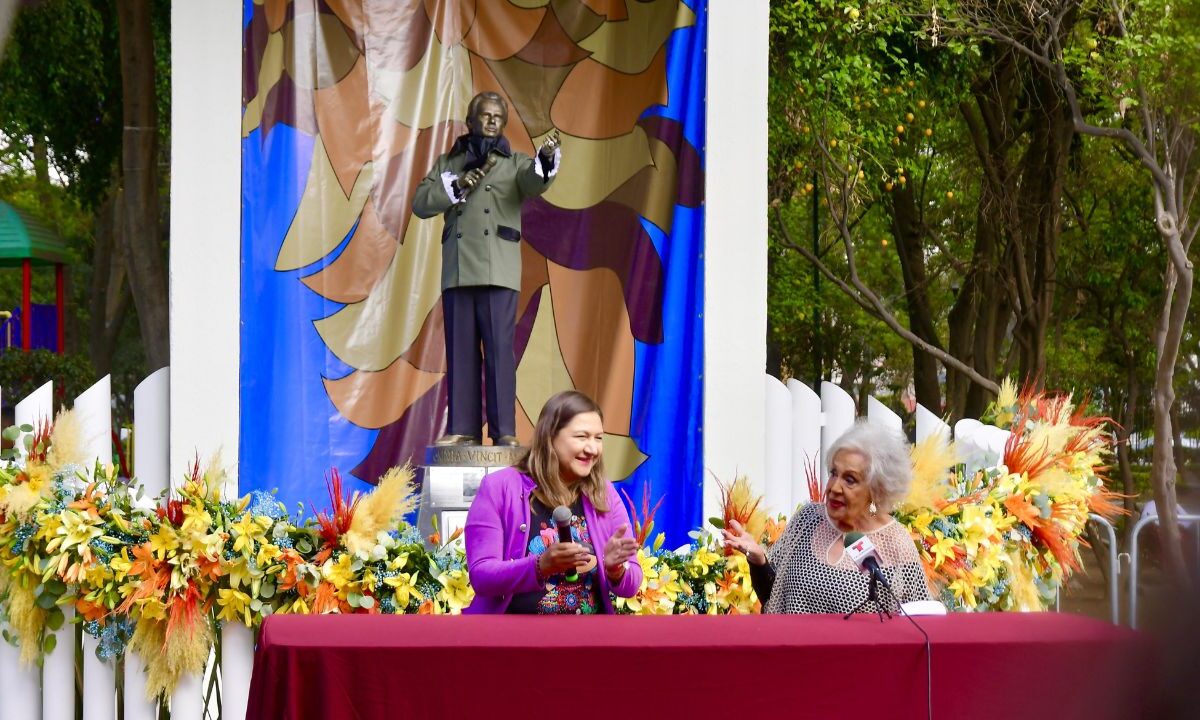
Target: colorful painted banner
(347, 103)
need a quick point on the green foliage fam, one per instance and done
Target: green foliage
(23, 372)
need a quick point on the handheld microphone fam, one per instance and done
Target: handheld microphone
(562, 521)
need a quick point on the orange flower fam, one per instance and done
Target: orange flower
(326, 600)
(426, 608)
(89, 610)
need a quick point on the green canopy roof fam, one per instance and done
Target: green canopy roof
(24, 237)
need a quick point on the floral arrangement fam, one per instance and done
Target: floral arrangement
(1006, 537)
(156, 576)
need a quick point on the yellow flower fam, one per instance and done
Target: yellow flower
(456, 590)
(152, 609)
(235, 606)
(76, 531)
(195, 518)
(964, 592)
(921, 524)
(942, 550)
(249, 529)
(702, 560)
(405, 585)
(120, 564)
(340, 573)
(266, 553)
(164, 541)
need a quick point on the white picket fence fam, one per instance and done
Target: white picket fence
(49, 692)
(801, 425)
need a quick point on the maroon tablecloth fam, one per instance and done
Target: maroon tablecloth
(1041, 665)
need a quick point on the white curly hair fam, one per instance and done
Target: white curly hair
(889, 468)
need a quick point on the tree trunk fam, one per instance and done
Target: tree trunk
(1177, 293)
(910, 247)
(109, 296)
(144, 253)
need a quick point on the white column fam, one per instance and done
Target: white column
(237, 665)
(879, 413)
(99, 684)
(205, 262)
(735, 249)
(93, 408)
(777, 485)
(58, 673)
(36, 408)
(152, 432)
(806, 439)
(839, 411)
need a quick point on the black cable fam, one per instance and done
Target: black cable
(928, 653)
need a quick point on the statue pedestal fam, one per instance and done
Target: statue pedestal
(451, 480)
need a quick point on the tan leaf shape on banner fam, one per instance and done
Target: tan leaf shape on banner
(502, 30)
(530, 4)
(621, 456)
(596, 101)
(269, 73)
(344, 120)
(325, 214)
(542, 372)
(630, 45)
(375, 399)
(652, 192)
(317, 52)
(436, 89)
(596, 346)
(397, 176)
(350, 278)
(451, 19)
(399, 303)
(592, 169)
(397, 33)
(575, 19)
(529, 88)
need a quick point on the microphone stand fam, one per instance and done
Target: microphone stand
(873, 598)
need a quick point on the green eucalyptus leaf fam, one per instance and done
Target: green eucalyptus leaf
(49, 642)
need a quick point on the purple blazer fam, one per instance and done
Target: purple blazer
(496, 531)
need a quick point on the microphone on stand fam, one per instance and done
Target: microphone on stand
(562, 521)
(862, 552)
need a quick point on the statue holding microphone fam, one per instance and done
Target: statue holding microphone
(478, 187)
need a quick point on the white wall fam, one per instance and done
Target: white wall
(735, 254)
(206, 124)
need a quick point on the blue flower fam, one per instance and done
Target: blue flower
(262, 503)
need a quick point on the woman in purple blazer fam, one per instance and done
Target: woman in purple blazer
(517, 561)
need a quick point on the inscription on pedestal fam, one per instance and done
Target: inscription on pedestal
(490, 456)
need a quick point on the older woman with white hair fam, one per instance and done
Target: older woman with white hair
(808, 570)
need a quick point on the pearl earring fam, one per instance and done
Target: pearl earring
(872, 508)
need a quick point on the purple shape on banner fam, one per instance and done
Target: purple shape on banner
(608, 235)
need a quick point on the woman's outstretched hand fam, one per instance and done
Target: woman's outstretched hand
(737, 538)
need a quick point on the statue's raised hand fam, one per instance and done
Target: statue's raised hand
(550, 144)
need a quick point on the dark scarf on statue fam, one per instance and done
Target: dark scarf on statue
(477, 148)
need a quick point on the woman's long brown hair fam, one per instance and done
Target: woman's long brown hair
(541, 464)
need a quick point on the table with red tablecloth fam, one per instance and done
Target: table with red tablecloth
(996, 665)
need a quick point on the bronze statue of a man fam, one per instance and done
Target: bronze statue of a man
(478, 187)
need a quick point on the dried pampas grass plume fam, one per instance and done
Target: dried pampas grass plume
(932, 461)
(380, 510)
(66, 441)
